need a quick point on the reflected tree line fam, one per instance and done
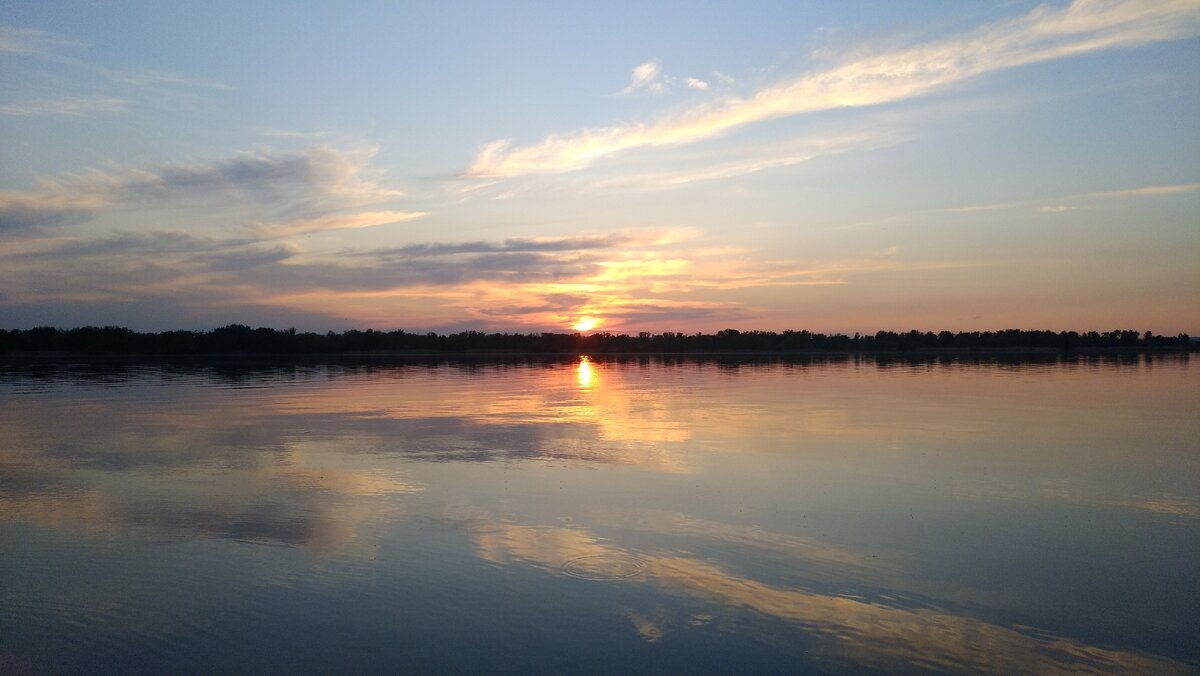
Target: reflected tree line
(241, 339)
(258, 370)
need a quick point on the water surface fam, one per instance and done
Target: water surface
(690, 516)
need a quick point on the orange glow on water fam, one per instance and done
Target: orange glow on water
(584, 371)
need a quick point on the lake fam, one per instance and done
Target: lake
(654, 515)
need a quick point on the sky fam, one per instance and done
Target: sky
(666, 166)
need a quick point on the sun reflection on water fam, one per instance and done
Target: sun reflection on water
(584, 370)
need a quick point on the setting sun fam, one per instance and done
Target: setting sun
(585, 324)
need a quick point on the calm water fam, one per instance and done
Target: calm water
(616, 516)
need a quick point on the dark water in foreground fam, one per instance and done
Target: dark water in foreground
(637, 516)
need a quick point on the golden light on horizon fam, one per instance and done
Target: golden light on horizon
(585, 323)
(584, 371)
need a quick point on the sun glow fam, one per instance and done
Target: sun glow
(585, 324)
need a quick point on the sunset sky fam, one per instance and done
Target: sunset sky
(652, 166)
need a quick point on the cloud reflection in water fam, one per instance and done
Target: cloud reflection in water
(870, 634)
(710, 469)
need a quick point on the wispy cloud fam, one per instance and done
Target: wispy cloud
(155, 244)
(1043, 34)
(181, 268)
(312, 184)
(1079, 201)
(97, 88)
(757, 160)
(149, 78)
(645, 76)
(73, 105)
(363, 219)
(575, 243)
(27, 210)
(696, 83)
(289, 133)
(22, 40)
(1147, 191)
(628, 280)
(1052, 205)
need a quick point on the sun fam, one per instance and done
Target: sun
(585, 324)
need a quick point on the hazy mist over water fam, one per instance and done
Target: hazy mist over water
(637, 515)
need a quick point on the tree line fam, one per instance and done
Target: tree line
(241, 339)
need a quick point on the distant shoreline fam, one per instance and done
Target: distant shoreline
(240, 342)
(398, 356)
